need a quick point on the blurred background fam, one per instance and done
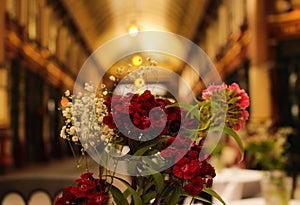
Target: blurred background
(44, 43)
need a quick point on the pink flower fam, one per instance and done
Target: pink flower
(241, 93)
(206, 94)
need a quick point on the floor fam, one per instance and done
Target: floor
(65, 167)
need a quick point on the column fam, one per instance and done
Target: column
(259, 80)
(2, 31)
(6, 160)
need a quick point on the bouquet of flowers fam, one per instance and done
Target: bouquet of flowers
(162, 144)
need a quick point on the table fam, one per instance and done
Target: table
(235, 183)
(258, 201)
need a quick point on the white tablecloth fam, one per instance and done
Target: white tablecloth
(235, 183)
(257, 201)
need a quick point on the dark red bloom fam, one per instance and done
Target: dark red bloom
(185, 168)
(67, 195)
(60, 201)
(193, 154)
(108, 120)
(84, 188)
(207, 169)
(141, 110)
(195, 187)
(90, 190)
(97, 199)
(209, 182)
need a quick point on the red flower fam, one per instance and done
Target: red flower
(185, 168)
(84, 188)
(108, 120)
(60, 201)
(209, 182)
(193, 154)
(195, 187)
(67, 195)
(90, 190)
(173, 154)
(97, 199)
(138, 108)
(206, 169)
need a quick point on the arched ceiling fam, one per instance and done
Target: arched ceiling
(102, 20)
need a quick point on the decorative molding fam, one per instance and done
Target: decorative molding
(37, 61)
(233, 56)
(285, 25)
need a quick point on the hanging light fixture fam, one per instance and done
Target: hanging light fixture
(133, 30)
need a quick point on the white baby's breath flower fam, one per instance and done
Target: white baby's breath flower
(100, 119)
(112, 78)
(67, 93)
(72, 130)
(75, 138)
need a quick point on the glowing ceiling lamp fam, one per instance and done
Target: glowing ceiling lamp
(133, 30)
(137, 60)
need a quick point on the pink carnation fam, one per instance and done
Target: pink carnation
(211, 89)
(244, 98)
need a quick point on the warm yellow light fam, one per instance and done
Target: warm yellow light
(133, 30)
(137, 60)
(139, 82)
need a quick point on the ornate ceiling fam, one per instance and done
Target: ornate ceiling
(102, 20)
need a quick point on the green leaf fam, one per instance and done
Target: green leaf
(118, 197)
(145, 146)
(238, 140)
(132, 166)
(214, 194)
(159, 182)
(175, 194)
(188, 107)
(197, 197)
(126, 193)
(136, 198)
(151, 166)
(149, 196)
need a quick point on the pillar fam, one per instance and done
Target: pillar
(6, 159)
(259, 79)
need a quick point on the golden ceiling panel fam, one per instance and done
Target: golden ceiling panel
(102, 20)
